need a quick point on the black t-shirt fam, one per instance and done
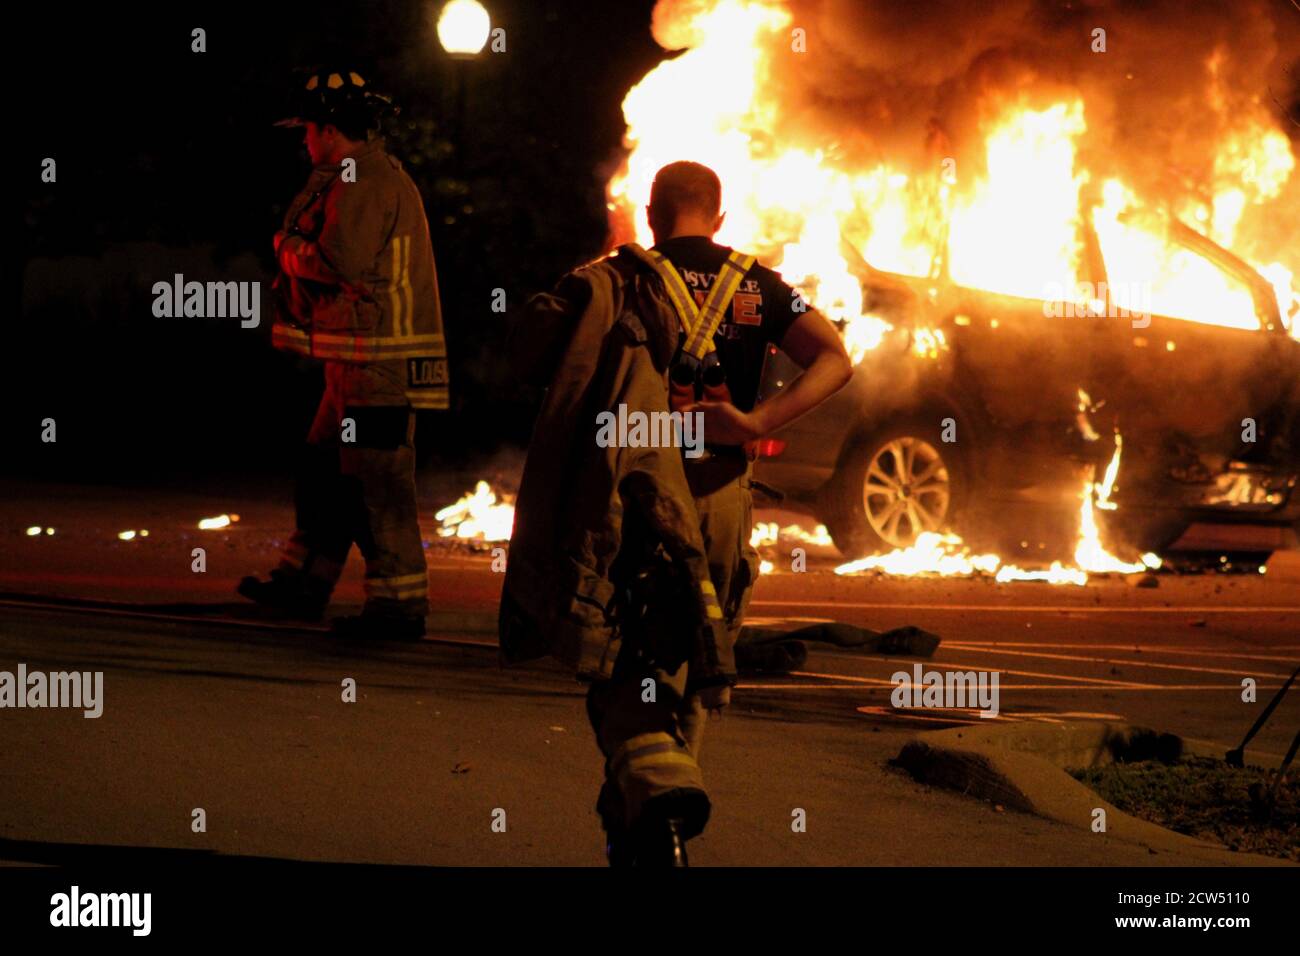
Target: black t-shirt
(762, 310)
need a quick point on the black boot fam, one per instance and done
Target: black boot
(661, 843)
(666, 822)
(293, 595)
(378, 627)
(619, 849)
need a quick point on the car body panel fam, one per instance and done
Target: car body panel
(1010, 374)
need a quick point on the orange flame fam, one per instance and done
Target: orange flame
(796, 201)
(793, 197)
(478, 515)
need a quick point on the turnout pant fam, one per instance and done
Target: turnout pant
(356, 485)
(651, 742)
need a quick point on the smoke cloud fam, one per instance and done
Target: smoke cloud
(1176, 81)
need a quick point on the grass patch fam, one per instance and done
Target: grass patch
(1203, 797)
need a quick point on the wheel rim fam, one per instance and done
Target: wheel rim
(906, 490)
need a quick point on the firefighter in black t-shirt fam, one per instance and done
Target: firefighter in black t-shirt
(761, 311)
(650, 804)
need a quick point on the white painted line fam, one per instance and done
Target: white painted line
(1138, 649)
(962, 718)
(1032, 608)
(973, 716)
(767, 621)
(1143, 688)
(857, 687)
(1118, 660)
(881, 681)
(1103, 681)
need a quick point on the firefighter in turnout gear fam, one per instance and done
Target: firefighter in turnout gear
(655, 635)
(357, 289)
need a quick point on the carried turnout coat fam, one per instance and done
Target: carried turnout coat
(603, 338)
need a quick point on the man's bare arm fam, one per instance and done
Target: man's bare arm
(814, 344)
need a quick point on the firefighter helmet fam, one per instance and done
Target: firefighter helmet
(340, 97)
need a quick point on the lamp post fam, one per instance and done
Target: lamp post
(463, 28)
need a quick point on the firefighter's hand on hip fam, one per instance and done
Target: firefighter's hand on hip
(725, 424)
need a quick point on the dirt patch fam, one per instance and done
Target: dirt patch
(1206, 798)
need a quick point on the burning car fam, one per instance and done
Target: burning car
(978, 412)
(1066, 280)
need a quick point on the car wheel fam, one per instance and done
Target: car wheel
(892, 486)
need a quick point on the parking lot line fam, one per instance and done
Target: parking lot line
(1033, 608)
(1100, 681)
(1115, 660)
(860, 684)
(1092, 682)
(967, 715)
(1137, 648)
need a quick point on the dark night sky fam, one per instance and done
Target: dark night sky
(167, 162)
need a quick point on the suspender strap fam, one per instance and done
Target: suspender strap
(702, 322)
(678, 293)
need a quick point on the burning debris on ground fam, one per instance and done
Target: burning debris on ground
(478, 516)
(217, 523)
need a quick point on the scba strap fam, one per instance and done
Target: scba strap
(701, 322)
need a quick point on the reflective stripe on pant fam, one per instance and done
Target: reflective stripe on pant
(299, 557)
(653, 747)
(362, 490)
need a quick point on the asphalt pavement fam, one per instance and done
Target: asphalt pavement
(205, 707)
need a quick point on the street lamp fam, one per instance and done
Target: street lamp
(463, 27)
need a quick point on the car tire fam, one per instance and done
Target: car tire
(871, 503)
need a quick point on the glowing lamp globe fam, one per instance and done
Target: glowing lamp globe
(463, 27)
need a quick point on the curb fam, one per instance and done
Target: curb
(462, 622)
(454, 621)
(1022, 766)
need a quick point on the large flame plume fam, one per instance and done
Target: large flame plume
(810, 184)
